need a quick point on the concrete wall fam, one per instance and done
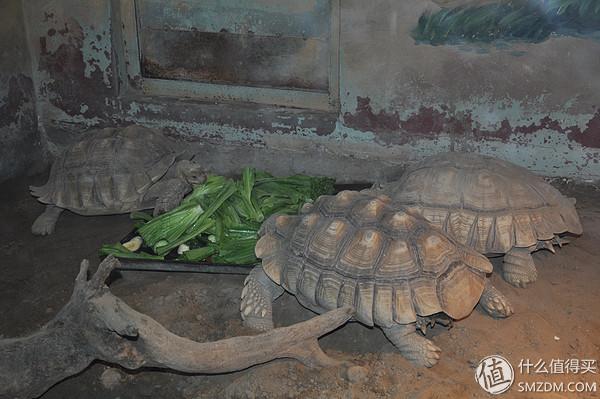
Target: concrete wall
(533, 104)
(19, 142)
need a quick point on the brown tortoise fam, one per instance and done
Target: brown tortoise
(116, 170)
(489, 204)
(354, 249)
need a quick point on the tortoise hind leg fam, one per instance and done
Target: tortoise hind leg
(44, 224)
(257, 300)
(494, 302)
(519, 268)
(416, 348)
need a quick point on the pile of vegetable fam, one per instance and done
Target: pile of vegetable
(219, 220)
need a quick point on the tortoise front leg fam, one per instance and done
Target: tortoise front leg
(257, 300)
(170, 193)
(519, 268)
(494, 302)
(416, 348)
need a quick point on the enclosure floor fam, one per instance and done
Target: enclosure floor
(557, 318)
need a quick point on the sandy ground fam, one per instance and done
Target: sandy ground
(556, 318)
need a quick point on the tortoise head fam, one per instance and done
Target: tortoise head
(191, 171)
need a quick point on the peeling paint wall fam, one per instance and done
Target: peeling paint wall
(72, 65)
(19, 143)
(533, 104)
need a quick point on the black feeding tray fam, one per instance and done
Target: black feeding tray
(171, 264)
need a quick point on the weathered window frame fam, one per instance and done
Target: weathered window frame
(131, 81)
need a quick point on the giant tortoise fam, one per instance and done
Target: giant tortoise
(116, 170)
(490, 205)
(395, 269)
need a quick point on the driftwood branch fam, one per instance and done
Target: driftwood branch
(95, 324)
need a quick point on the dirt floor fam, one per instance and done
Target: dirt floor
(557, 318)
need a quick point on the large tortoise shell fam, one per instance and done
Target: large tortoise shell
(486, 203)
(109, 171)
(354, 249)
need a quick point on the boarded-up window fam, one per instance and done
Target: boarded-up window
(281, 52)
(262, 43)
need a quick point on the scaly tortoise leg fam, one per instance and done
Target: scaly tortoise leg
(257, 300)
(413, 346)
(494, 302)
(519, 268)
(45, 223)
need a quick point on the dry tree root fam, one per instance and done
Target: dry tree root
(95, 324)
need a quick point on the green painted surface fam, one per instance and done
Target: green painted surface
(523, 20)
